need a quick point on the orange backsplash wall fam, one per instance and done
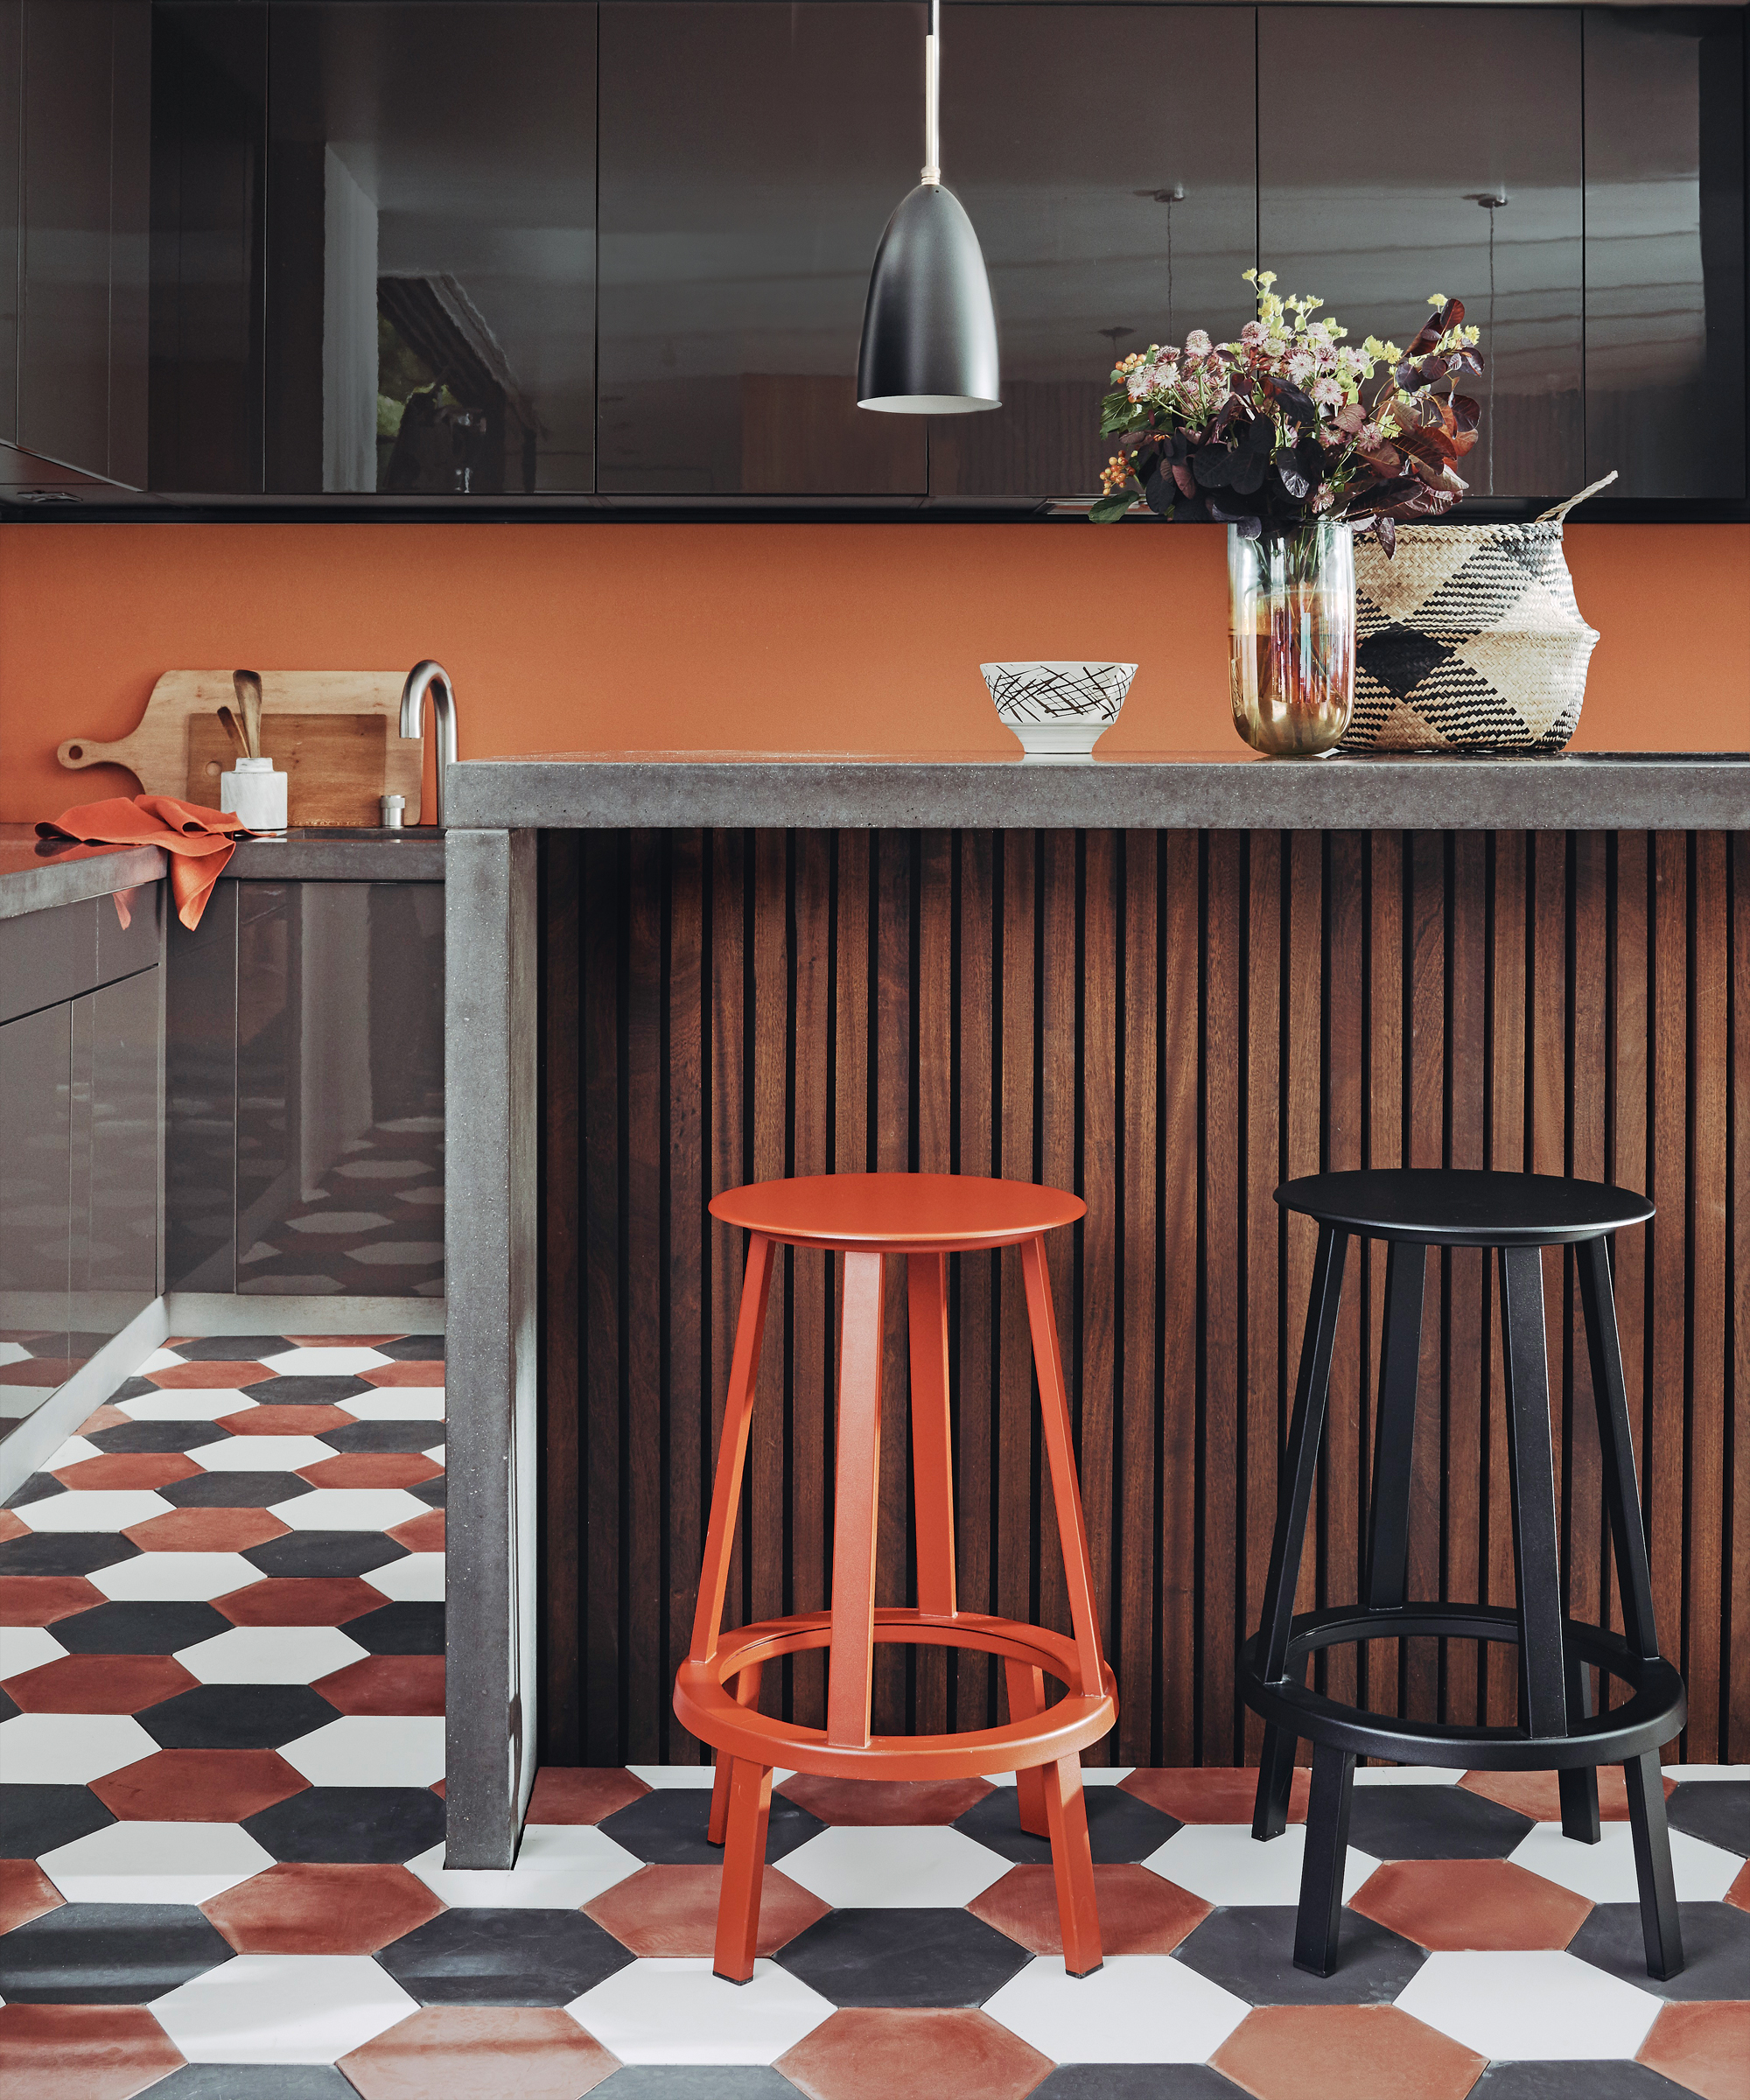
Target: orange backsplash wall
(826, 637)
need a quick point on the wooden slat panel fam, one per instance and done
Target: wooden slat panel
(1169, 1022)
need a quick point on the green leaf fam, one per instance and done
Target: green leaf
(1108, 509)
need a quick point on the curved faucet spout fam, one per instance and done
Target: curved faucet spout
(432, 678)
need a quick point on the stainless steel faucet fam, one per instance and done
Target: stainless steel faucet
(432, 678)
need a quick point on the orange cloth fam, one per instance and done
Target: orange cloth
(198, 841)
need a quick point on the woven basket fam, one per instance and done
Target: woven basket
(1468, 639)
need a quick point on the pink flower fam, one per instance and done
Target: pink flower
(1301, 367)
(1328, 393)
(1197, 343)
(1252, 333)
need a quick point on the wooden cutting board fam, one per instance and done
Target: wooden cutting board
(335, 733)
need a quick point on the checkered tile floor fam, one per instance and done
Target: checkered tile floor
(221, 1680)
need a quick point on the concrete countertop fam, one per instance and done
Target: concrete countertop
(1626, 791)
(318, 854)
(36, 873)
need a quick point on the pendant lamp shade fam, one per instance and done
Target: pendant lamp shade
(929, 331)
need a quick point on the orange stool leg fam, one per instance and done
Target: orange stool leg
(1027, 1698)
(932, 1436)
(744, 1870)
(746, 1694)
(1072, 1866)
(750, 1328)
(1072, 1532)
(850, 1665)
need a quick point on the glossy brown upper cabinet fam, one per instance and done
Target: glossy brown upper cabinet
(1102, 234)
(750, 155)
(430, 247)
(74, 135)
(1664, 295)
(1372, 201)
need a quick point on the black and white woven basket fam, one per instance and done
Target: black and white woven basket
(1468, 639)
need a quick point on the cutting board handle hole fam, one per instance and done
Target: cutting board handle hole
(75, 751)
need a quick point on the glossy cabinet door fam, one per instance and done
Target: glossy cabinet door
(750, 153)
(1665, 263)
(116, 1100)
(200, 1098)
(1379, 128)
(35, 1209)
(430, 247)
(11, 231)
(1106, 225)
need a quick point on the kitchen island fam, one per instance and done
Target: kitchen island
(1167, 984)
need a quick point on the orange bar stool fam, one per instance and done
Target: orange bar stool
(866, 1217)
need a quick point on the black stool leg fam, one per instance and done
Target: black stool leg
(1306, 1432)
(1319, 1918)
(1543, 1667)
(1659, 1926)
(1579, 1783)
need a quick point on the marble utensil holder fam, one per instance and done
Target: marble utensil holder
(254, 792)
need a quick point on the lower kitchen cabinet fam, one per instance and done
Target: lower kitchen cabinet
(35, 1209)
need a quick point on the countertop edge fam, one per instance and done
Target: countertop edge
(56, 881)
(417, 858)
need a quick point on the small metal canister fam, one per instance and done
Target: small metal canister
(392, 806)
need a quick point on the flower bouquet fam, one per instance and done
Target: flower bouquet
(1295, 439)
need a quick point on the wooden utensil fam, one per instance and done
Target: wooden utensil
(157, 751)
(247, 687)
(234, 731)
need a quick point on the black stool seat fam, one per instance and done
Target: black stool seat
(1515, 1216)
(1461, 1206)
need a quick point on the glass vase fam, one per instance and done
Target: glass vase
(1292, 635)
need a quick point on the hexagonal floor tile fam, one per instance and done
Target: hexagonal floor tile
(386, 1684)
(129, 1469)
(935, 1958)
(1456, 1906)
(297, 1600)
(172, 1863)
(671, 1911)
(1716, 1950)
(1211, 1792)
(425, 1436)
(1605, 1872)
(204, 1531)
(43, 1600)
(1139, 1913)
(1434, 1823)
(677, 2012)
(503, 1958)
(236, 1716)
(307, 1390)
(300, 1907)
(867, 2054)
(371, 1826)
(1121, 1828)
(261, 1454)
(69, 1749)
(270, 1655)
(235, 1491)
(106, 1954)
(348, 1509)
(139, 1630)
(1527, 2005)
(97, 1509)
(1137, 2082)
(1704, 2047)
(220, 1374)
(417, 1579)
(282, 2008)
(199, 1786)
(99, 1685)
(580, 1792)
(1336, 2052)
(372, 1750)
(325, 1554)
(41, 1553)
(212, 1348)
(254, 1420)
(1137, 2008)
(667, 1827)
(892, 1866)
(337, 1362)
(1249, 1950)
(1718, 1813)
(159, 1403)
(1616, 2080)
(1538, 1794)
(463, 2052)
(1223, 1863)
(24, 1648)
(26, 1893)
(167, 1577)
(858, 1801)
(559, 1866)
(90, 2052)
(395, 1403)
(414, 1628)
(420, 1534)
(34, 1819)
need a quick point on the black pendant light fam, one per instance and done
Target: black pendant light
(929, 334)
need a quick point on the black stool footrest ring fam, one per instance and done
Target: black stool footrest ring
(1650, 1718)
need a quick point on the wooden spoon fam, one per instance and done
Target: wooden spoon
(233, 729)
(249, 690)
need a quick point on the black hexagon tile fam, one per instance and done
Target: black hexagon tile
(107, 1954)
(34, 1819)
(227, 1490)
(332, 1389)
(1716, 1949)
(1249, 1950)
(236, 1716)
(64, 1552)
(1716, 1810)
(1121, 1828)
(405, 1629)
(1434, 1823)
(158, 1627)
(480, 1957)
(903, 1957)
(384, 1436)
(667, 1828)
(324, 1553)
(156, 1436)
(369, 1826)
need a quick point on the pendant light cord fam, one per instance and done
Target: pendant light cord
(932, 169)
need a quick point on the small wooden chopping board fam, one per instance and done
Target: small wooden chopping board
(334, 733)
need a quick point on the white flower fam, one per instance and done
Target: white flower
(1301, 366)
(1197, 343)
(1328, 393)
(1137, 385)
(1252, 332)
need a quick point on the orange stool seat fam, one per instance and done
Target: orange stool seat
(926, 1218)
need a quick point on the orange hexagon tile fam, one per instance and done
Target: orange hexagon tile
(84, 2052)
(1211, 1792)
(1704, 2046)
(270, 1421)
(420, 1534)
(371, 1469)
(40, 1600)
(296, 1907)
(1470, 1906)
(26, 1893)
(465, 2052)
(103, 1417)
(299, 1601)
(208, 1377)
(582, 1793)
(865, 1802)
(873, 2053)
(672, 1911)
(11, 1525)
(199, 1786)
(1738, 1893)
(128, 1469)
(1139, 1913)
(205, 1531)
(1337, 2052)
(1538, 1793)
(100, 1684)
(404, 1374)
(388, 1684)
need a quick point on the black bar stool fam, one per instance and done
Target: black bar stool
(1413, 1209)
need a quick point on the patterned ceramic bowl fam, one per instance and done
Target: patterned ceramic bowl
(1058, 710)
